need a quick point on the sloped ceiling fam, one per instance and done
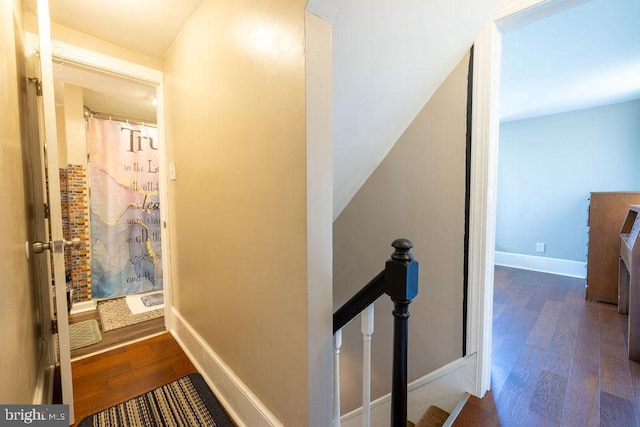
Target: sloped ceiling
(389, 58)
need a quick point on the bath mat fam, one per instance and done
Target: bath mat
(187, 401)
(154, 300)
(85, 333)
(115, 313)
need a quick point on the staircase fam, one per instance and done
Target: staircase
(433, 417)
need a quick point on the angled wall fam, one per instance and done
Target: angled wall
(389, 58)
(417, 192)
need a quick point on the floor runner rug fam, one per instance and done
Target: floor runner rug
(115, 313)
(85, 333)
(184, 402)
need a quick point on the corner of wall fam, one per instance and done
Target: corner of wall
(242, 405)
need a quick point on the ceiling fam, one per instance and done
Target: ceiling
(582, 57)
(585, 56)
(147, 27)
(144, 26)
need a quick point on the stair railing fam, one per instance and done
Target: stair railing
(399, 280)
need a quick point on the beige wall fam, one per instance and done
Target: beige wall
(235, 120)
(19, 332)
(417, 192)
(75, 136)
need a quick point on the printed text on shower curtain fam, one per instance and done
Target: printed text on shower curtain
(125, 208)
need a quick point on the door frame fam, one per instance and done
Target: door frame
(100, 62)
(90, 59)
(484, 169)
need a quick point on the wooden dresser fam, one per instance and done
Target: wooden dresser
(629, 278)
(607, 213)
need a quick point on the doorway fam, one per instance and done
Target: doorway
(94, 87)
(486, 126)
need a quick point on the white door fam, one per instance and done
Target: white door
(56, 243)
(39, 231)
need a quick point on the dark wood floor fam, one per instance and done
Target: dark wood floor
(115, 376)
(558, 360)
(115, 337)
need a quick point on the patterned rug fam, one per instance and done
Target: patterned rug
(115, 313)
(184, 402)
(85, 333)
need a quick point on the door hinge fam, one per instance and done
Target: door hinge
(46, 211)
(38, 84)
(54, 326)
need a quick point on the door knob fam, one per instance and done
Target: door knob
(39, 247)
(75, 243)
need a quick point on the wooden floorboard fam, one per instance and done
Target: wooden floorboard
(115, 376)
(558, 360)
(115, 337)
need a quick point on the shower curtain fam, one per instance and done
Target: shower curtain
(125, 208)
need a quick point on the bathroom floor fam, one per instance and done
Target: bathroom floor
(115, 337)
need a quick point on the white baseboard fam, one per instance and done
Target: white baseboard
(444, 388)
(43, 393)
(242, 405)
(81, 307)
(561, 267)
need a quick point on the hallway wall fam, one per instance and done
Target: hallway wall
(235, 122)
(20, 332)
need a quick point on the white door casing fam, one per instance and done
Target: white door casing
(484, 167)
(55, 207)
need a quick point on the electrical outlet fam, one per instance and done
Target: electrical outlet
(540, 247)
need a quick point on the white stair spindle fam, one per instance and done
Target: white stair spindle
(337, 343)
(366, 326)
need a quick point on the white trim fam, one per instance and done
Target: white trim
(444, 388)
(456, 411)
(319, 188)
(43, 392)
(485, 122)
(323, 9)
(97, 61)
(563, 267)
(81, 307)
(484, 157)
(242, 405)
(532, 10)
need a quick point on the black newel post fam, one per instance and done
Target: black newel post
(401, 276)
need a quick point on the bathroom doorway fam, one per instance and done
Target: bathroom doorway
(114, 280)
